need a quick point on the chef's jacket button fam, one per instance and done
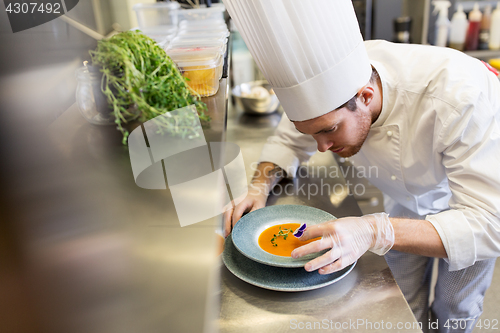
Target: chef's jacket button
(342, 160)
(408, 198)
(389, 133)
(393, 177)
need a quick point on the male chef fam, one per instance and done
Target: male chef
(428, 119)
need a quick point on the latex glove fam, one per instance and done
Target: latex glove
(348, 238)
(255, 199)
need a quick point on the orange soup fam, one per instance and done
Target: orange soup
(281, 246)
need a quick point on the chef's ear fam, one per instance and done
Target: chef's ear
(366, 94)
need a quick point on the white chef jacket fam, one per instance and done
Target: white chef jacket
(436, 144)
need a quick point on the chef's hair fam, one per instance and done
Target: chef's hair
(351, 104)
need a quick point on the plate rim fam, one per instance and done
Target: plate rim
(296, 264)
(268, 287)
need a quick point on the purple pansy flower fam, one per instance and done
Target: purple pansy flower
(300, 230)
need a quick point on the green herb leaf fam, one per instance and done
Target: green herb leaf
(138, 71)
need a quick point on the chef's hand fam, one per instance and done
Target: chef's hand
(255, 199)
(348, 238)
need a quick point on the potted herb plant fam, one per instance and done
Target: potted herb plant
(136, 71)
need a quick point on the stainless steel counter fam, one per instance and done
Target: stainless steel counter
(115, 258)
(109, 254)
(366, 300)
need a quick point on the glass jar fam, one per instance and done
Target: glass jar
(92, 103)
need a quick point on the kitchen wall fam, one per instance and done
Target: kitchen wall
(37, 65)
(384, 12)
(37, 68)
(123, 13)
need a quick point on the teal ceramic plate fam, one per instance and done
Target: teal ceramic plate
(246, 232)
(276, 278)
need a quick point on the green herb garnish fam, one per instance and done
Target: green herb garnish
(138, 71)
(282, 233)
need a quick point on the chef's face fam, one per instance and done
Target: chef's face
(341, 131)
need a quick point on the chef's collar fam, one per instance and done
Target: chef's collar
(382, 73)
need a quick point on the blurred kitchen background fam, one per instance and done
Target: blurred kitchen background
(37, 85)
(47, 53)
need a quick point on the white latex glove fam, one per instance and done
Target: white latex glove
(255, 199)
(348, 238)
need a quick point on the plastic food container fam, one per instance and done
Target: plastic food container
(190, 23)
(209, 26)
(201, 39)
(215, 45)
(216, 12)
(161, 36)
(199, 51)
(204, 32)
(157, 17)
(202, 69)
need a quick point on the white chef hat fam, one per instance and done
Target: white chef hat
(310, 51)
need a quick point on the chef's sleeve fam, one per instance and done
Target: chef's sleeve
(288, 148)
(470, 148)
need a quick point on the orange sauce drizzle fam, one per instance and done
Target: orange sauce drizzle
(285, 247)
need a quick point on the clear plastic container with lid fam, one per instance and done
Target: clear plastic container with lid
(203, 32)
(216, 45)
(206, 26)
(201, 66)
(191, 23)
(192, 52)
(157, 16)
(201, 38)
(215, 28)
(216, 12)
(161, 35)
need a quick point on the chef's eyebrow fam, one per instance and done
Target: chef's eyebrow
(323, 130)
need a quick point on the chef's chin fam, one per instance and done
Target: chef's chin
(348, 151)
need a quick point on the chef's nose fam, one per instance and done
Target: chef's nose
(324, 144)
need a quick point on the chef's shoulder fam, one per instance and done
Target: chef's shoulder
(436, 72)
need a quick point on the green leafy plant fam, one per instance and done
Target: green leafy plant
(136, 71)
